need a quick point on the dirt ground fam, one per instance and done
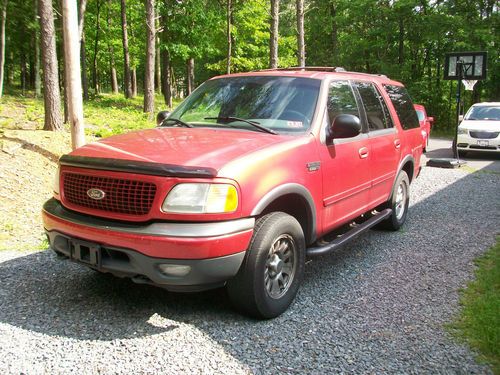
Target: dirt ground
(28, 160)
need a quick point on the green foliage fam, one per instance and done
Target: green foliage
(479, 320)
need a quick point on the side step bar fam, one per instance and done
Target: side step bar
(346, 237)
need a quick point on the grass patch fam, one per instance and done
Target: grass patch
(479, 320)
(104, 114)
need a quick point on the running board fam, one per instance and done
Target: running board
(346, 237)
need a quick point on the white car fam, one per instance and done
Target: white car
(480, 129)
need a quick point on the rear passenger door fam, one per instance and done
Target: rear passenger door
(384, 142)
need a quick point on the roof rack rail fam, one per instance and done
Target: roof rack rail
(313, 68)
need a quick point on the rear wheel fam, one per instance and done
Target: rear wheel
(398, 202)
(270, 275)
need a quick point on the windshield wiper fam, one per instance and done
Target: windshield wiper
(177, 121)
(250, 122)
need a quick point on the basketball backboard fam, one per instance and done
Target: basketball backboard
(473, 65)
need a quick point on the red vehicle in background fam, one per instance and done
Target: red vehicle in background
(425, 124)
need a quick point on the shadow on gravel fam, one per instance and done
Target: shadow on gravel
(379, 302)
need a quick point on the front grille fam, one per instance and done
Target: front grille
(483, 134)
(121, 195)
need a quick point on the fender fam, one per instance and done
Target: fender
(403, 162)
(285, 189)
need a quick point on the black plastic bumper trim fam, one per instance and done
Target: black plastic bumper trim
(204, 273)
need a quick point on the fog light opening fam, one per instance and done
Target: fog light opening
(176, 270)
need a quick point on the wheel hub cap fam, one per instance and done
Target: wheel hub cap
(280, 266)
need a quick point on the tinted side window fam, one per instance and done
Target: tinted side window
(377, 116)
(403, 106)
(341, 100)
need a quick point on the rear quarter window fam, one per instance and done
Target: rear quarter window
(403, 105)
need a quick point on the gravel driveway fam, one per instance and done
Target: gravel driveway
(377, 306)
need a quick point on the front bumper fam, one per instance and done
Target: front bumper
(213, 251)
(467, 143)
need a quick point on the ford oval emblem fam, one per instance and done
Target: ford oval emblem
(96, 194)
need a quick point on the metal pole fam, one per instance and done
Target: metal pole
(460, 73)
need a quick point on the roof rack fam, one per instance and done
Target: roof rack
(336, 69)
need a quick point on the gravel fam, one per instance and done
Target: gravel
(379, 305)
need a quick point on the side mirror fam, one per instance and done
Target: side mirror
(461, 118)
(162, 115)
(344, 126)
(431, 120)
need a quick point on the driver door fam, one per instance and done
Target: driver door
(345, 163)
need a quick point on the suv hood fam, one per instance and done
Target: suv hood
(193, 147)
(486, 125)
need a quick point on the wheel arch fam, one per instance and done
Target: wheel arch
(407, 165)
(295, 200)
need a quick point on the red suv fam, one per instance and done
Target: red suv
(425, 124)
(249, 175)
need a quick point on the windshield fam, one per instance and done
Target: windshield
(491, 113)
(281, 104)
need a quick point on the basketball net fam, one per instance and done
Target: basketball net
(469, 84)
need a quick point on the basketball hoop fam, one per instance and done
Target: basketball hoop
(469, 84)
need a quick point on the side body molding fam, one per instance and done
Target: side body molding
(291, 188)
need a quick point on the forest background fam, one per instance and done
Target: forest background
(196, 39)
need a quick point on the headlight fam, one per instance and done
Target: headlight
(192, 198)
(462, 130)
(55, 188)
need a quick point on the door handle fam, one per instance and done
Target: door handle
(363, 152)
(397, 143)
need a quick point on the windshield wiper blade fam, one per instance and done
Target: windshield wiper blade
(250, 122)
(177, 121)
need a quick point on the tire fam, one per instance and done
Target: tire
(272, 271)
(398, 202)
(462, 153)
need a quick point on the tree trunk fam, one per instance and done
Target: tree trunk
(157, 58)
(229, 36)
(273, 41)
(127, 86)
(72, 72)
(51, 93)
(38, 84)
(3, 18)
(166, 78)
(83, 59)
(334, 35)
(134, 82)
(190, 76)
(301, 57)
(114, 80)
(95, 72)
(24, 74)
(149, 74)
(401, 42)
(83, 54)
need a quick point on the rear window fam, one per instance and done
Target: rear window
(403, 106)
(420, 115)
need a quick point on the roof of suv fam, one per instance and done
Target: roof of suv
(317, 72)
(486, 104)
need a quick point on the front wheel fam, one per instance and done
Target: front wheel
(270, 275)
(398, 202)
